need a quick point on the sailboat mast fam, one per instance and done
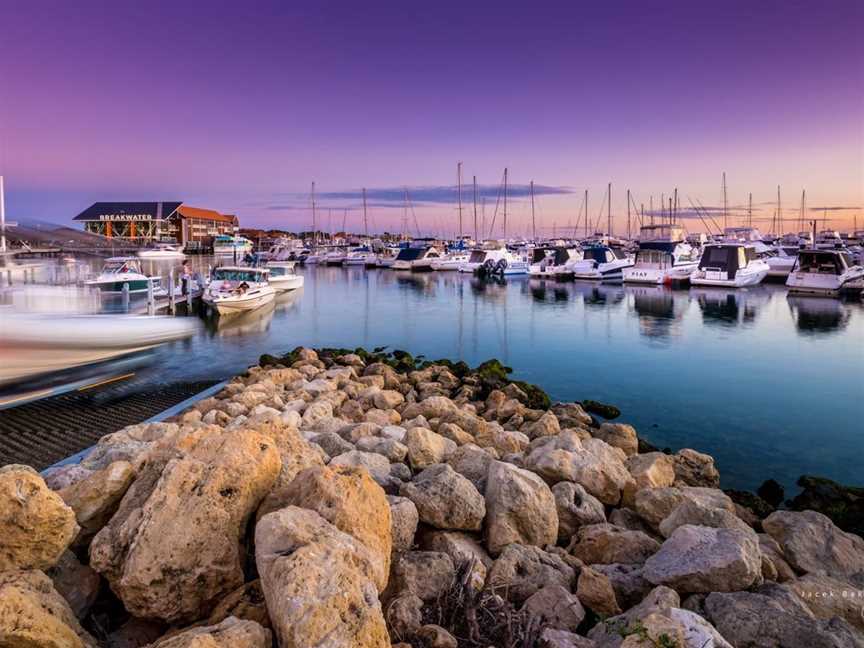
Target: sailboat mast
(750, 211)
(365, 217)
(586, 213)
(801, 218)
(476, 235)
(725, 204)
(314, 218)
(779, 212)
(609, 211)
(2, 217)
(505, 203)
(459, 192)
(628, 214)
(533, 221)
(675, 207)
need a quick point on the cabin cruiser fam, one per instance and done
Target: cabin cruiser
(162, 251)
(315, 257)
(282, 276)
(416, 258)
(234, 289)
(361, 256)
(545, 261)
(828, 240)
(335, 257)
(495, 258)
(598, 263)
(225, 244)
(49, 353)
(730, 265)
(825, 272)
(120, 271)
(451, 261)
(663, 257)
(283, 249)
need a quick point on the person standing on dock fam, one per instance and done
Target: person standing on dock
(185, 277)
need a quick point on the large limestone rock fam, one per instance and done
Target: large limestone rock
(695, 469)
(830, 597)
(295, 452)
(520, 508)
(404, 615)
(403, 522)
(704, 559)
(33, 614)
(811, 543)
(555, 607)
(463, 549)
(775, 616)
(619, 435)
(472, 462)
(521, 571)
(318, 582)
(605, 544)
(348, 499)
(649, 470)
(377, 465)
(655, 504)
(173, 547)
(425, 574)
(576, 508)
(96, 497)
(230, 633)
(445, 499)
(426, 447)
(698, 633)
(595, 591)
(627, 582)
(36, 525)
(693, 512)
(611, 632)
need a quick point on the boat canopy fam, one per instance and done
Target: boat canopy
(540, 253)
(727, 258)
(411, 253)
(822, 262)
(603, 254)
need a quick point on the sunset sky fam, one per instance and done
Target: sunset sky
(240, 106)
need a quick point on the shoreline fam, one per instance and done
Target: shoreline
(378, 499)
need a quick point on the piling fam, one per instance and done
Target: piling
(172, 302)
(151, 301)
(126, 297)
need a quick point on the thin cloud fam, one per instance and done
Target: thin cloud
(444, 194)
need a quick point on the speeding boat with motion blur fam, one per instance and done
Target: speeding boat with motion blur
(162, 251)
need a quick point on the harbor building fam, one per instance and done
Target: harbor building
(148, 222)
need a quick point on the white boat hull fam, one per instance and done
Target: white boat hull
(229, 304)
(161, 254)
(589, 271)
(286, 282)
(749, 276)
(658, 276)
(824, 284)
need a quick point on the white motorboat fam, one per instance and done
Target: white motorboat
(545, 261)
(451, 261)
(780, 263)
(729, 265)
(225, 244)
(598, 263)
(335, 257)
(44, 351)
(387, 257)
(825, 272)
(121, 271)
(162, 251)
(417, 258)
(663, 257)
(282, 276)
(234, 289)
(495, 258)
(362, 256)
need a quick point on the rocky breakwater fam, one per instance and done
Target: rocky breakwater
(335, 499)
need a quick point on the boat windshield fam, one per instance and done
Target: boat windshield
(410, 254)
(234, 274)
(820, 263)
(600, 255)
(119, 267)
(652, 256)
(477, 256)
(278, 271)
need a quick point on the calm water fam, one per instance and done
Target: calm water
(771, 385)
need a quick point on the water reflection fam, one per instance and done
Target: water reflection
(658, 309)
(730, 308)
(814, 315)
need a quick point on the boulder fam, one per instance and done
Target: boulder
(230, 633)
(520, 571)
(426, 447)
(349, 500)
(611, 632)
(295, 452)
(649, 470)
(32, 613)
(445, 499)
(555, 607)
(654, 504)
(36, 526)
(626, 581)
(319, 583)
(455, 433)
(173, 547)
(693, 512)
(404, 616)
(695, 469)
(619, 435)
(605, 544)
(403, 522)
(433, 636)
(774, 565)
(332, 443)
(426, 574)
(811, 543)
(774, 616)
(520, 508)
(388, 399)
(464, 550)
(704, 559)
(698, 633)
(546, 426)
(595, 591)
(375, 464)
(78, 584)
(575, 508)
(829, 597)
(552, 638)
(390, 449)
(96, 497)
(472, 462)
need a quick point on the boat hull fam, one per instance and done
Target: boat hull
(740, 280)
(286, 283)
(116, 287)
(240, 303)
(658, 276)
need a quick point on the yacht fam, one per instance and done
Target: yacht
(598, 263)
(282, 276)
(234, 289)
(451, 261)
(362, 256)
(663, 257)
(416, 258)
(495, 258)
(545, 261)
(120, 271)
(225, 244)
(825, 272)
(730, 265)
(162, 251)
(315, 257)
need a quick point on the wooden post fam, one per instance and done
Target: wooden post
(126, 297)
(172, 305)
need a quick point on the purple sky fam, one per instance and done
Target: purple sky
(240, 106)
